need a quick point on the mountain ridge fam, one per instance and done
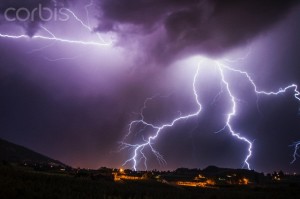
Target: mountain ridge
(14, 153)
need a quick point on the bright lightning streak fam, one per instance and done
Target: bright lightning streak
(280, 91)
(79, 20)
(52, 37)
(231, 115)
(44, 47)
(269, 93)
(138, 148)
(296, 145)
(48, 31)
(139, 154)
(90, 43)
(87, 26)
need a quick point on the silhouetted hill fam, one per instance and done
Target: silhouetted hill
(213, 171)
(13, 153)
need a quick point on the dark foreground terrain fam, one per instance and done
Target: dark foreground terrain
(22, 182)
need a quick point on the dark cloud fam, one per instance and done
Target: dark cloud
(208, 26)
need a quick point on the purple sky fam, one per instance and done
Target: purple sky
(73, 102)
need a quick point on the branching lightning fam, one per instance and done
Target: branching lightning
(294, 87)
(40, 37)
(231, 115)
(138, 149)
(157, 130)
(54, 38)
(280, 91)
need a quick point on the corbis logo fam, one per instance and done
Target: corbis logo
(39, 13)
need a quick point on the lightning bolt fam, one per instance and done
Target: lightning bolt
(138, 149)
(52, 37)
(40, 37)
(296, 146)
(138, 153)
(280, 91)
(294, 87)
(87, 26)
(231, 115)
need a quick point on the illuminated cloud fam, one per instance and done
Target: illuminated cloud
(210, 27)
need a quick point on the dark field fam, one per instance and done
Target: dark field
(19, 182)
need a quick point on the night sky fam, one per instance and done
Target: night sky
(74, 102)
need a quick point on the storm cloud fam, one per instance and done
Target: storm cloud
(209, 27)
